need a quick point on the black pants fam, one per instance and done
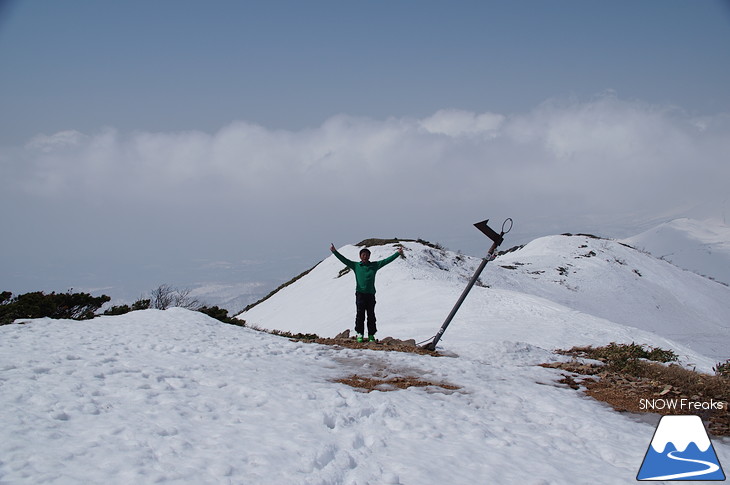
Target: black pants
(365, 303)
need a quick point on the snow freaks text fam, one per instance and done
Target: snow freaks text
(684, 404)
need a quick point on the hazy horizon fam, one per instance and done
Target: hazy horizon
(187, 143)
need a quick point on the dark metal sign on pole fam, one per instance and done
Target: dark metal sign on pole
(496, 241)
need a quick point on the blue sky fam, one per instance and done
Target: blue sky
(150, 142)
(179, 65)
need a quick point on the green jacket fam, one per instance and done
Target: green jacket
(365, 272)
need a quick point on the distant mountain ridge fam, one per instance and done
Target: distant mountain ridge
(556, 291)
(702, 247)
(611, 280)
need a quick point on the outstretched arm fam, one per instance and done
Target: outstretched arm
(345, 261)
(390, 259)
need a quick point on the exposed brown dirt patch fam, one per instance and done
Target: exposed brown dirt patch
(386, 344)
(671, 389)
(376, 383)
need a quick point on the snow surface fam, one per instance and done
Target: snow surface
(177, 397)
(609, 280)
(552, 293)
(699, 246)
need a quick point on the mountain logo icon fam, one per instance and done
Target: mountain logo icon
(680, 450)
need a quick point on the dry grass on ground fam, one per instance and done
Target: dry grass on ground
(382, 383)
(387, 344)
(378, 381)
(633, 384)
(628, 378)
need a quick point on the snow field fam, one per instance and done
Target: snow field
(415, 295)
(177, 397)
(699, 246)
(622, 285)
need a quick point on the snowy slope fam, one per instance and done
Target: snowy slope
(176, 397)
(699, 246)
(607, 279)
(619, 295)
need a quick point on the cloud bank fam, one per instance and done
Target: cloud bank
(247, 191)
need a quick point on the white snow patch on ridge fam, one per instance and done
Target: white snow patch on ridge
(556, 292)
(699, 246)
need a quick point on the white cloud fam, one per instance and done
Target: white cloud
(462, 123)
(57, 141)
(584, 151)
(562, 167)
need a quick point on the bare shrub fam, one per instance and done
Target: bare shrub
(165, 296)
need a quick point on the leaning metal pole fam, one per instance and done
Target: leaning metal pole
(497, 240)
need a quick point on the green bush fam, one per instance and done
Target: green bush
(141, 305)
(122, 309)
(221, 314)
(118, 310)
(75, 306)
(722, 369)
(661, 355)
(624, 357)
(297, 336)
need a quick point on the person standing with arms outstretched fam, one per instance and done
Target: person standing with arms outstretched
(365, 288)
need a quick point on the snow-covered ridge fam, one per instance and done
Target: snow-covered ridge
(555, 292)
(699, 246)
(608, 279)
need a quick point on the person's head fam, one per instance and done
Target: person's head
(364, 255)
